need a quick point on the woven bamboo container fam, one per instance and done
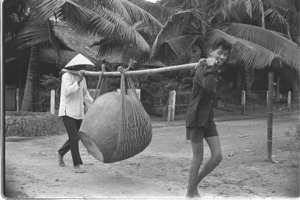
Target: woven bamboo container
(111, 134)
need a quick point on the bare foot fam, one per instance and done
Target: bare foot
(196, 193)
(61, 162)
(190, 194)
(77, 169)
(193, 194)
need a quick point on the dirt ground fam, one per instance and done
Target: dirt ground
(161, 170)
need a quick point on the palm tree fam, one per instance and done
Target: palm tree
(124, 27)
(115, 19)
(17, 15)
(224, 19)
(239, 21)
(14, 13)
(252, 26)
(279, 16)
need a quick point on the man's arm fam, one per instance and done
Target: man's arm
(206, 76)
(86, 95)
(70, 87)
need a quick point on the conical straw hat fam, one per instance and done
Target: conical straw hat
(79, 60)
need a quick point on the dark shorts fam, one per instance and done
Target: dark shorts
(197, 133)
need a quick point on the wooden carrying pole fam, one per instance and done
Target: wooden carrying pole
(137, 72)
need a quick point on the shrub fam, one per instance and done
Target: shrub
(294, 146)
(48, 83)
(28, 124)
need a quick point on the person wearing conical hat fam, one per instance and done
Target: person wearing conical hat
(73, 95)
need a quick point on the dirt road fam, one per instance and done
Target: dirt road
(31, 168)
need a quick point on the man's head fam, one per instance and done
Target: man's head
(220, 49)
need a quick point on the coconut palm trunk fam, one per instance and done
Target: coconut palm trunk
(296, 91)
(31, 79)
(249, 79)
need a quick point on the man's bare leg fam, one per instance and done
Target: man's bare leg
(61, 162)
(197, 148)
(215, 159)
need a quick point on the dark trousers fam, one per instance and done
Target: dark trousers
(72, 125)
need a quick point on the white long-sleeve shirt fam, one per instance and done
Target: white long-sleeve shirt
(72, 96)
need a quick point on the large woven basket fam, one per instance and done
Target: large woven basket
(115, 128)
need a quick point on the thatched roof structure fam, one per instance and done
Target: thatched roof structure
(153, 64)
(80, 44)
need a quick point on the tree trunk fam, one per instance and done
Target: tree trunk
(239, 83)
(277, 91)
(296, 91)
(249, 78)
(262, 11)
(31, 79)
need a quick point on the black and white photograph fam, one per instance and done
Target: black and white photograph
(150, 99)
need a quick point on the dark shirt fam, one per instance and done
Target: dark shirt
(200, 110)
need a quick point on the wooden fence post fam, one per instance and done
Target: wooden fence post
(277, 93)
(270, 116)
(243, 101)
(171, 105)
(267, 98)
(18, 99)
(289, 98)
(138, 92)
(52, 102)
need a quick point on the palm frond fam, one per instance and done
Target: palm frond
(175, 4)
(253, 55)
(175, 26)
(113, 5)
(248, 8)
(282, 3)
(107, 47)
(101, 23)
(138, 14)
(276, 20)
(160, 12)
(88, 20)
(44, 9)
(228, 10)
(290, 14)
(33, 33)
(104, 22)
(115, 48)
(268, 39)
(180, 44)
(147, 34)
(36, 33)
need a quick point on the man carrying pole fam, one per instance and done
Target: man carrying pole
(199, 117)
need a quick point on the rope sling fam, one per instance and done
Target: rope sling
(116, 127)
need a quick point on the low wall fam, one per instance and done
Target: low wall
(29, 124)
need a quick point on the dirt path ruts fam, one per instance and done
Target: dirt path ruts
(161, 170)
